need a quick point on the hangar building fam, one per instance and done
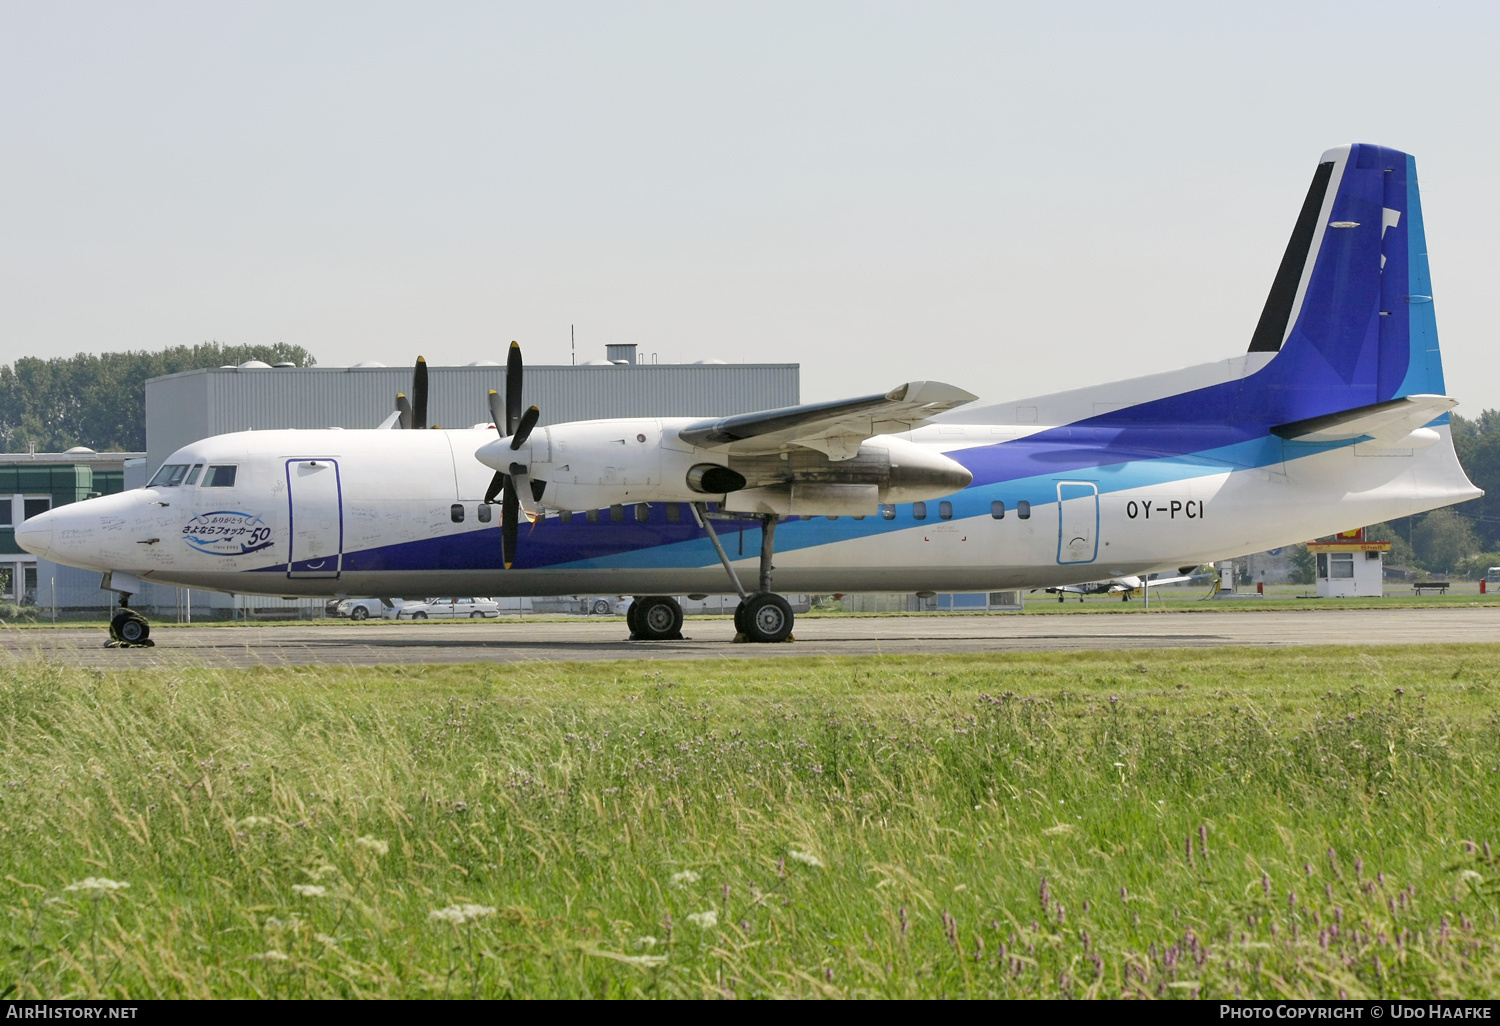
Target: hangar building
(182, 408)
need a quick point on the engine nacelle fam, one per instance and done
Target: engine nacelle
(596, 464)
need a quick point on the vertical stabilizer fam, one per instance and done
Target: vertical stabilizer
(1350, 312)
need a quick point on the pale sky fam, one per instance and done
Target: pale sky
(1013, 198)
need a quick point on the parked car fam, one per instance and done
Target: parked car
(607, 605)
(445, 608)
(361, 609)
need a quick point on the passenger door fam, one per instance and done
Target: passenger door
(315, 518)
(1077, 522)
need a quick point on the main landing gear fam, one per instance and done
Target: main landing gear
(763, 617)
(654, 618)
(128, 629)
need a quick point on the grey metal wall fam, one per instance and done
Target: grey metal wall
(182, 408)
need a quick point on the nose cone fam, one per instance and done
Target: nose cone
(35, 535)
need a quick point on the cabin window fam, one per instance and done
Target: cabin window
(642, 512)
(457, 512)
(1023, 510)
(617, 512)
(192, 477)
(831, 517)
(592, 516)
(860, 517)
(482, 511)
(219, 477)
(945, 510)
(170, 475)
(888, 511)
(997, 510)
(674, 512)
(919, 510)
(565, 517)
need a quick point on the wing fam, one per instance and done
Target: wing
(1386, 422)
(835, 428)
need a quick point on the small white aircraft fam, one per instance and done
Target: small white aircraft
(1125, 587)
(1337, 415)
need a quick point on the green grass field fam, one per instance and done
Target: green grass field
(1166, 824)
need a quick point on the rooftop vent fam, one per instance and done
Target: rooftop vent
(620, 352)
(255, 365)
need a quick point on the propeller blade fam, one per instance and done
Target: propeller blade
(403, 407)
(419, 394)
(523, 430)
(512, 389)
(509, 510)
(497, 415)
(497, 483)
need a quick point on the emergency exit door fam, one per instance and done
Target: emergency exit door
(1077, 521)
(316, 518)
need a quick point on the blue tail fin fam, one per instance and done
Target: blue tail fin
(1350, 312)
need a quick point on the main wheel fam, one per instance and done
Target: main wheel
(630, 617)
(359, 613)
(600, 607)
(768, 618)
(659, 618)
(130, 627)
(739, 617)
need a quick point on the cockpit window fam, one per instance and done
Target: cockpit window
(169, 476)
(192, 477)
(219, 477)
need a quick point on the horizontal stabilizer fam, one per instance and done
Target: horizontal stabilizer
(1389, 421)
(836, 428)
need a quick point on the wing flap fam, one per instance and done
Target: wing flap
(836, 428)
(1389, 421)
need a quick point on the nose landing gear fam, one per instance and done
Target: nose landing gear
(128, 629)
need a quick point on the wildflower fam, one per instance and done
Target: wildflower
(459, 915)
(704, 920)
(379, 847)
(1469, 876)
(806, 858)
(310, 890)
(645, 942)
(96, 887)
(682, 879)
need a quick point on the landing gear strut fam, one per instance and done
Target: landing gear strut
(763, 617)
(128, 629)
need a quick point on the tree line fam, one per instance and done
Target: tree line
(100, 400)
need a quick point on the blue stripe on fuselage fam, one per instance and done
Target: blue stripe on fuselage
(1005, 471)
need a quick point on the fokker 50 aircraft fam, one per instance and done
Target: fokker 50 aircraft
(1337, 416)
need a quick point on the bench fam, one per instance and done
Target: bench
(1441, 587)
